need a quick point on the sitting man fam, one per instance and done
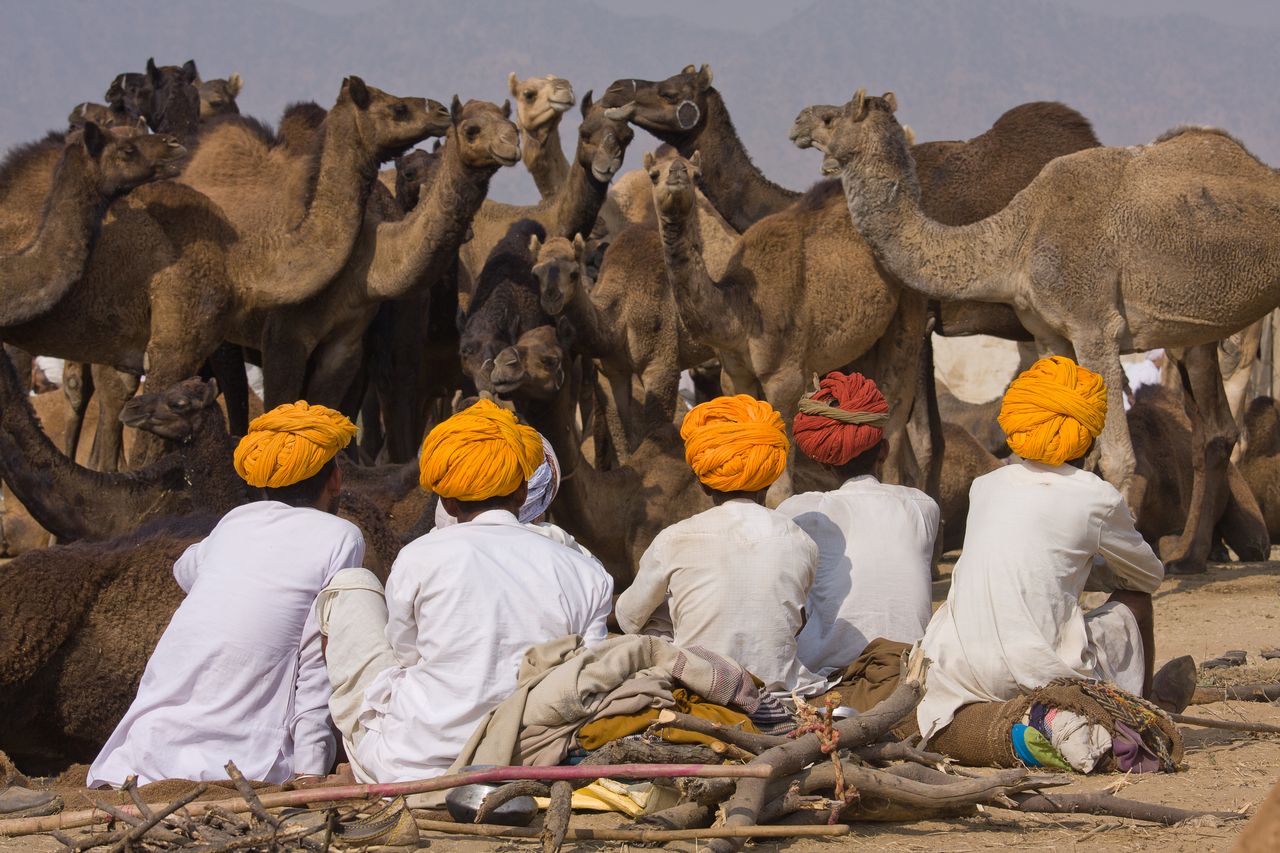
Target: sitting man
(732, 579)
(238, 673)
(875, 541)
(414, 673)
(1013, 621)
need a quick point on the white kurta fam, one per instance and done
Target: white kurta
(875, 543)
(238, 674)
(463, 605)
(735, 579)
(1013, 620)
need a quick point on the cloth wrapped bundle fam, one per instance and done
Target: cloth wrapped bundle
(843, 419)
(735, 444)
(1053, 411)
(291, 443)
(481, 452)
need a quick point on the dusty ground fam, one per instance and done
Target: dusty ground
(1232, 607)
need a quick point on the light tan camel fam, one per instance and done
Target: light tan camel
(218, 97)
(540, 104)
(1108, 250)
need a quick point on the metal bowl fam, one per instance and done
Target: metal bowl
(464, 803)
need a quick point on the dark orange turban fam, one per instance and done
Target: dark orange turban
(481, 452)
(291, 443)
(844, 418)
(1054, 410)
(735, 444)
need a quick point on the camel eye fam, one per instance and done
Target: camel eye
(529, 95)
(180, 404)
(471, 132)
(670, 97)
(400, 111)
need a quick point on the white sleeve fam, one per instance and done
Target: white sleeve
(1132, 562)
(932, 520)
(402, 613)
(598, 624)
(647, 592)
(187, 566)
(314, 741)
(350, 552)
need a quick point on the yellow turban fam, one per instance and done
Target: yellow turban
(481, 452)
(735, 444)
(291, 443)
(1053, 411)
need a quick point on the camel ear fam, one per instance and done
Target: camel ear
(189, 72)
(892, 100)
(854, 107)
(579, 247)
(77, 114)
(512, 83)
(649, 160)
(586, 102)
(704, 77)
(358, 92)
(94, 139)
(234, 84)
(535, 246)
(689, 69)
(210, 393)
(696, 162)
(506, 108)
(455, 110)
(910, 135)
(152, 71)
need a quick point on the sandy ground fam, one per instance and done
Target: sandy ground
(1232, 607)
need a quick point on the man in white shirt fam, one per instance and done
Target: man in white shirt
(732, 579)
(875, 541)
(238, 674)
(1038, 531)
(415, 672)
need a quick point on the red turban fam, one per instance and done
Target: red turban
(842, 419)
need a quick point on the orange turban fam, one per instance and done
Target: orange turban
(842, 419)
(735, 444)
(291, 443)
(481, 452)
(1053, 411)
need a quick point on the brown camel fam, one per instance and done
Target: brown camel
(218, 97)
(602, 142)
(1260, 461)
(686, 112)
(1108, 250)
(614, 513)
(963, 461)
(166, 97)
(392, 257)
(102, 116)
(540, 104)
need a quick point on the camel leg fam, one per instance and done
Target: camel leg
(783, 391)
(661, 393)
(284, 366)
(77, 388)
(1102, 355)
(619, 412)
(114, 389)
(335, 369)
(227, 364)
(1213, 433)
(1242, 525)
(23, 365)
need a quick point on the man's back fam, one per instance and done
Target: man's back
(875, 543)
(464, 604)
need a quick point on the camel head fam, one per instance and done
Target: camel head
(602, 141)
(413, 172)
(391, 124)
(867, 135)
(670, 109)
(534, 368)
(175, 100)
(123, 158)
(484, 134)
(812, 128)
(218, 97)
(674, 181)
(104, 117)
(174, 413)
(130, 93)
(560, 267)
(540, 101)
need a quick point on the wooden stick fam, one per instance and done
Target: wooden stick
(1264, 692)
(1105, 804)
(752, 742)
(1229, 725)
(650, 835)
(335, 793)
(154, 817)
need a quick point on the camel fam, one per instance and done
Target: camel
(964, 459)
(165, 96)
(686, 112)
(777, 317)
(1260, 461)
(602, 143)
(102, 116)
(392, 257)
(218, 97)
(1107, 250)
(540, 104)
(614, 513)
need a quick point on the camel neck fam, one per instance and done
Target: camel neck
(578, 203)
(544, 157)
(39, 275)
(704, 305)
(730, 181)
(940, 261)
(420, 247)
(206, 461)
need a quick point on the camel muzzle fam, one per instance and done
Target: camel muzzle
(623, 113)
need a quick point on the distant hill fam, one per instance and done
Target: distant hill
(955, 66)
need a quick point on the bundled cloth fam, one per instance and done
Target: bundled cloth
(1053, 411)
(735, 444)
(841, 420)
(1077, 723)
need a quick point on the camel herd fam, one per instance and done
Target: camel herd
(166, 236)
